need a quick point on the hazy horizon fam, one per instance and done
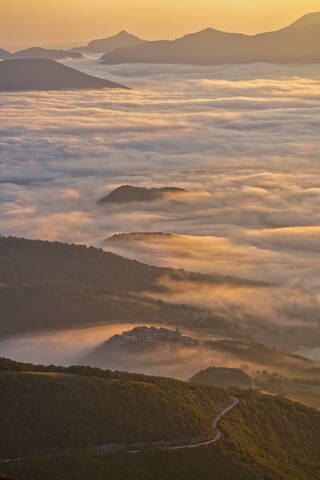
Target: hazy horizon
(64, 25)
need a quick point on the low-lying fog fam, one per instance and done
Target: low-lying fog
(58, 347)
(71, 347)
(244, 140)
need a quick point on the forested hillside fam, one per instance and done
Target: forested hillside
(45, 285)
(30, 262)
(45, 408)
(265, 438)
(222, 377)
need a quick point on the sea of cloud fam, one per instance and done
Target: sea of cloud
(244, 140)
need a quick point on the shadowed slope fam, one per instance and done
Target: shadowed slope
(40, 74)
(49, 54)
(104, 45)
(4, 54)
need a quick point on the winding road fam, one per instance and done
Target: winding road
(218, 434)
(215, 439)
(113, 448)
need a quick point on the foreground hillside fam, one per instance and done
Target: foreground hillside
(44, 408)
(265, 438)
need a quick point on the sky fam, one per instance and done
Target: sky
(63, 23)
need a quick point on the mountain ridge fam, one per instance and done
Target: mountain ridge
(103, 45)
(296, 43)
(45, 53)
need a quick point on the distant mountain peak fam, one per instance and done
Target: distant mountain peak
(124, 33)
(296, 43)
(119, 40)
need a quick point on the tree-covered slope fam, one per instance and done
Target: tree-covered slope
(265, 438)
(36, 262)
(223, 377)
(51, 407)
(45, 285)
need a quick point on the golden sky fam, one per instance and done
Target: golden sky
(30, 22)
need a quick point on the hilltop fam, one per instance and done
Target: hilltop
(104, 45)
(145, 349)
(4, 54)
(297, 43)
(41, 74)
(222, 377)
(45, 53)
(130, 193)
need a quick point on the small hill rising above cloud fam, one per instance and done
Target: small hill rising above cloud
(49, 54)
(104, 45)
(298, 43)
(41, 74)
(130, 193)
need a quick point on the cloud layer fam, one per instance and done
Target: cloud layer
(243, 139)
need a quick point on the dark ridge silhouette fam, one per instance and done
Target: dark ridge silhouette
(49, 54)
(40, 74)
(104, 45)
(298, 43)
(4, 54)
(137, 236)
(129, 193)
(305, 21)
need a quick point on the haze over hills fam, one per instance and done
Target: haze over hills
(160, 351)
(304, 390)
(75, 286)
(104, 45)
(149, 350)
(41, 74)
(78, 287)
(298, 43)
(4, 54)
(49, 54)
